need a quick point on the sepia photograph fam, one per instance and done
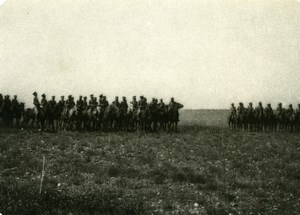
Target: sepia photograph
(150, 107)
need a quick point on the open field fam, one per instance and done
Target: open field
(202, 170)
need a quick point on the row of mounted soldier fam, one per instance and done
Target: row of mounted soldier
(267, 119)
(91, 115)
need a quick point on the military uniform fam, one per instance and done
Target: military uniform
(152, 105)
(103, 104)
(36, 102)
(124, 105)
(52, 103)
(240, 109)
(43, 102)
(232, 109)
(116, 103)
(79, 104)
(134, 105)
(290, 111)
(70, 103)
(142, 104)
(259, 109)
(15, 102)
(84, 103)
(269, 110)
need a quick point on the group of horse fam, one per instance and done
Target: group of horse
(109, 119)
(258, 120)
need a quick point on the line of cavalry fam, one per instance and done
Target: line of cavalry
(264, 119)
(90, 115)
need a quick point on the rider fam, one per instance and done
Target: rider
(91, 101)
(269, 110)
(259, 108)
(124, 105)
(250, 107)
(52, 102)
(232, 108)
(103, 103)
(79, 104)
(240, 108)
(61, 103)
(36, 102)
(70, 102)
(280, 109)
(161, 104)
(116, 102)
(134, 103)
(43, 101)
(84, 103)
(14, 101)
(171, 103)
(153, 104)
(290, 110)
(95, 103)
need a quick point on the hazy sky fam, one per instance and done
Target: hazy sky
(206, 54)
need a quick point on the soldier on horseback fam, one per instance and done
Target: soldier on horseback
(124, 105)
(134, 103)
(84, 102)
(171, 103)
(290, 110)
(61, 103)
(116, 102)
(14, 101)
(91, 101)
(70, 102)
(161, 105)
(79, 104)
(142, 103)
(43, 101)
(36, 102)
(103, 103)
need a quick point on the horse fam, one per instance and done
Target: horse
(173, 116)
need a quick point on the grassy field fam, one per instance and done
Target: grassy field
(201, 170)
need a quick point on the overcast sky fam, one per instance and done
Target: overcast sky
(206, 54)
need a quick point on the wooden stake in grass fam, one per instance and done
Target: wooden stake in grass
(42, 177)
